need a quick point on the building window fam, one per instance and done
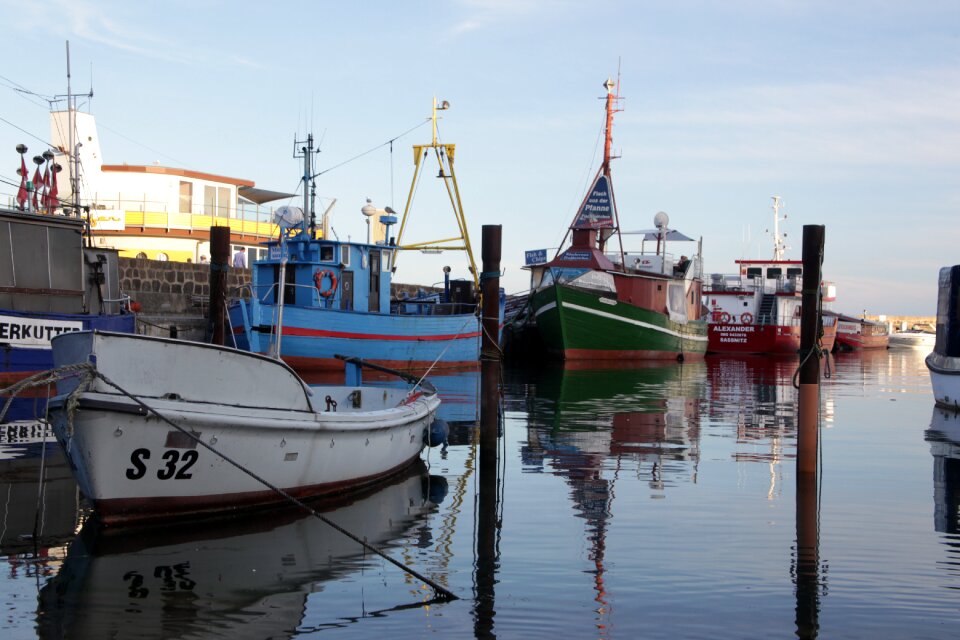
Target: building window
(216, 201)
(162, 257)
(186, 197)
(141, 256)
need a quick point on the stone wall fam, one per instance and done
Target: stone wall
(174, 288)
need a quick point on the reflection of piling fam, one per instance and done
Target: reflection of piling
(487, 525)
(808, 526)
(809, 410)
(219, 265)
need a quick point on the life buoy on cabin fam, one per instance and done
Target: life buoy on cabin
(318, 277)
(724, 318)
(746, 318)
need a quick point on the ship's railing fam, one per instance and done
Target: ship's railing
(734, 282)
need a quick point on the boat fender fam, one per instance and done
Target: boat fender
(724, 318)
(318, 277)
(434, 488)
(746, 318)
(437, 434)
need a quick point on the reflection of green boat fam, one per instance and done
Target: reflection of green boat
(648, 408)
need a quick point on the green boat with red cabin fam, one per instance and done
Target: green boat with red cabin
(595, 301)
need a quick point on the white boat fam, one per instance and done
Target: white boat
(207, 429)
(944, 361)
(913, 338)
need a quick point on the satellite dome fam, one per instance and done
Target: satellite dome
(661, 220)
(288, 217)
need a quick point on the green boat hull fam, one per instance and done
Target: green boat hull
(582, 325)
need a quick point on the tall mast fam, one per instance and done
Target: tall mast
(309, 185)
(779, 246)
(608, 139)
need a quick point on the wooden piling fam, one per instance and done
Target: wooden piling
(489, 346)
(809, 408)
(807, 574)
(487, 525)
(219, 265)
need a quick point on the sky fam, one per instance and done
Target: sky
(849, 111)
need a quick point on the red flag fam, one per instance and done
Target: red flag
(37, 183)
(52, 194)
(22, 193)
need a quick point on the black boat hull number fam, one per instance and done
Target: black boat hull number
(174, 464)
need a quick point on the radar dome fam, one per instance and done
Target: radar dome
(661, 220)
(288, 217)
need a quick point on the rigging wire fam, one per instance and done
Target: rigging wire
(371, 150)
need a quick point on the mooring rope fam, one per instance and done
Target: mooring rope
(88, 373)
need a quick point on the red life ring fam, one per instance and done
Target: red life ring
(724, 318)
(318, 277)
(746, 318)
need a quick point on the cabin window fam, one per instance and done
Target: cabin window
(186, 196)
(386, 260)
(794, 272)
(754, 272)
(774, 272)
(345, 255)
(326, 253)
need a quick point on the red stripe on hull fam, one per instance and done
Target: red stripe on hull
(323, 333)
(305, 364)
(121, 511)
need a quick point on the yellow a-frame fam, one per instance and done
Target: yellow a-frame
(445, 155)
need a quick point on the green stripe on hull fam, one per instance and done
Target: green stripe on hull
(578, 324)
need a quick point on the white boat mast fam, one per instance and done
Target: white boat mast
(779, 245)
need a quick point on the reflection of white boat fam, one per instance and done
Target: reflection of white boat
(199, 405)
(944, 439)
(239, 578)
(944, 362)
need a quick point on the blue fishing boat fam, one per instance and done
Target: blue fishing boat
(50, 283)
(314, 296)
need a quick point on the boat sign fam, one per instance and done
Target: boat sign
(536, 256)
(34, 333)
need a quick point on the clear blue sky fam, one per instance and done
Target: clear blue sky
(848, 110)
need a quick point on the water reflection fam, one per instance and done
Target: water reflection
(241, 578)
(944, 438)
(38, 511)
(583, 421)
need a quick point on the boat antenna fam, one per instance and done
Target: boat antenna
(309, 182)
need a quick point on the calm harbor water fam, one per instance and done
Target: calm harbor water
(648, 502)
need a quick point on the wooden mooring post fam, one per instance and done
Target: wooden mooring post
(808, 434)
(487, 525)
(219, 266)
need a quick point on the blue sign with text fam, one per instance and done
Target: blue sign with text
(536, 256)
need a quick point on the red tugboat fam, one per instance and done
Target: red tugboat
(854, 334)
(757, 310)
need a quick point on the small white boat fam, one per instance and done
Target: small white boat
(913, 338)
(199, 428)
(944, 361)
